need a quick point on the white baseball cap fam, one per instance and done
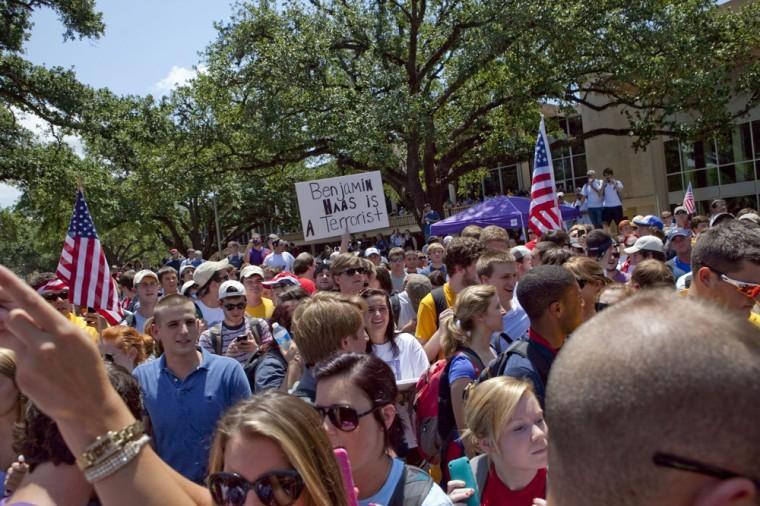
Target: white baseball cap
(646, 243)
(231, 288)
(145, 273)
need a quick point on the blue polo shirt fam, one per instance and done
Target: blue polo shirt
(183, 414)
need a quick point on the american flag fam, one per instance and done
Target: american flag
(84, 269)
(544, 214)
(688, 201)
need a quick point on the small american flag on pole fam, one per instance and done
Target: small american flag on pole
(83, 266)
(544, 214)
(688, 201)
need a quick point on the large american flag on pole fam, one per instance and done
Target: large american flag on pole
(544, 214)
(83, 266)
(688, 201)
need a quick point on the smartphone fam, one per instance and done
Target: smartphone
(348, 479)
(460, 469)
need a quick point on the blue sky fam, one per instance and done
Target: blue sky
(148, 46)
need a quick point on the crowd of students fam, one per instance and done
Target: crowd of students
(234, 384)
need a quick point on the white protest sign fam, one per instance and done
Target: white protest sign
(330, 205)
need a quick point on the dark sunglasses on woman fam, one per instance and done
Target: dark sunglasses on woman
(53, 296)
(275, 488)
(343, 418)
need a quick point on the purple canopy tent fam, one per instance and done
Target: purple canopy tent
(507, 212)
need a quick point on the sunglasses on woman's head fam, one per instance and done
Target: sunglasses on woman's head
(53, 296)
(343, 418)
(275, 488)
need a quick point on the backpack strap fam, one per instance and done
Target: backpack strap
(216, 338)
(253, 324)
(446, 423)
(413, 487)
(479, 466)
(395, 307)
(439, 298)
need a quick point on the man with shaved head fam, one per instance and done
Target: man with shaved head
(655, 402)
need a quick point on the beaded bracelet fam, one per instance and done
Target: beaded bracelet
(109, 465)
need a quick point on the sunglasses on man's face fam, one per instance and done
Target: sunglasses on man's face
(53, 296)
(751, 290)
(354, 271)
(343, 418)
(230, 307)
(275, 488)
(221, 278)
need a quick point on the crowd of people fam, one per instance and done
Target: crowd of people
(594, 366)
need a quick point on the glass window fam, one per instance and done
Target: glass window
(701, 178)
(562, 169)
(491, 183)
(736, 146)
(756, 135)
(509, 179)
(672, 157)
(674, 183)
(687, 156)
(709, 153)
(579, 166)
(737, 173)
(575, 126)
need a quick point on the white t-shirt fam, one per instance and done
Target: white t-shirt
(409, 363)
(611, 196)
(436, 496)
(284, 260)
(592, 197)
(211, 315)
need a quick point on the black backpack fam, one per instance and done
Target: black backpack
(526, 350)
(215, 333)
(413, 488)
(258, 357)
(439, 298)
(395, 307)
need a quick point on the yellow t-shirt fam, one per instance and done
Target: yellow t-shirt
(754, 318)
(81, 323)
(427, 320)
(263, 310)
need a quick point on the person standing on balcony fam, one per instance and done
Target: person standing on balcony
(612, 211)
(429, 216)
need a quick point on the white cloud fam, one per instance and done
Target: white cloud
(8, 195)
(42, 130)
(177, 76)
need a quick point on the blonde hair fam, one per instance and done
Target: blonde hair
(586, 269)
(493, 233)
(8, 369)
(490, 407)
(436, 246)
(127, 338)
(471, 302)
(322, 321)
(297, 429)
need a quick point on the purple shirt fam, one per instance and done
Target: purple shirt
(256, 257)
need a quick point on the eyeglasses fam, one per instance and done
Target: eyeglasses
(751, 290)
(693, 466)
(239, 305)
(357, 270)
(343, 418)
(275, 488)
(53, 296)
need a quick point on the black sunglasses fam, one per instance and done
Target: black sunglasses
(239, 305)
(356, 270)
(343, 418)
(53, 296)
(693, 466)
(275, 488)
(222, 278)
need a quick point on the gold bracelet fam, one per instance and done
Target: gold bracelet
(109, 465)
(108, 444)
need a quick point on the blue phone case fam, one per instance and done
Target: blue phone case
(460, 469)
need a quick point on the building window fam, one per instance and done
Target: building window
(725, 159)
(569, 160)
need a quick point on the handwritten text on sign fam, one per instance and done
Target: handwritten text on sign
(330, 205)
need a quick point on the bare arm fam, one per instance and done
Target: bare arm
(80, 399)
(457, 404)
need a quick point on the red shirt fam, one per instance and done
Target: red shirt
(535, 336)
(498, 494)
(308, 285)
